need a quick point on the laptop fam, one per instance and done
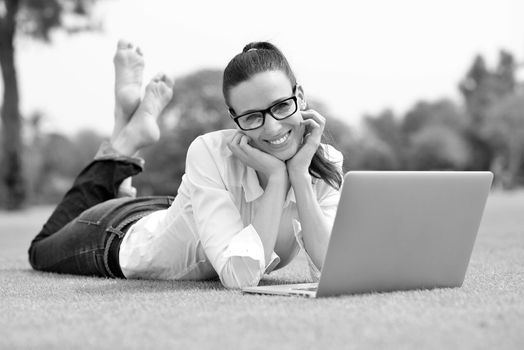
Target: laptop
(398, 230)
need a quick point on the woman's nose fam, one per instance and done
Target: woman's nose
(271, 124)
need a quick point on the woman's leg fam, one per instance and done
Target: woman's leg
(101, 181)
(129, 66)
(89, 244)
(97, 183)
(70, 241)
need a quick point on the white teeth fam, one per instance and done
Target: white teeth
(280, 140)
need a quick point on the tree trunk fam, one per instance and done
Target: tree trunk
(12, 174)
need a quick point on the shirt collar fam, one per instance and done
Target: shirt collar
(290, 197)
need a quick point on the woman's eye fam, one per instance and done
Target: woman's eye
(283, 106)
(250, 118)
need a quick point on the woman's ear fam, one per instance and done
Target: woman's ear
(301, 97)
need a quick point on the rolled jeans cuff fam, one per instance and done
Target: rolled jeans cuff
(107, 152)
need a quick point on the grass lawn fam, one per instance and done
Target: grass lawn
(42, 310)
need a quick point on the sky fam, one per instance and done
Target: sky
(357, 57)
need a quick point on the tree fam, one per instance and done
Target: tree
(505, 130)
(386, 128)
(440, 112)
(475, 87)
(438, 147)
(36, 18)
(482, 89)
(369, 152)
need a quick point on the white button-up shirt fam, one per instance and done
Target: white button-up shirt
(207, 231)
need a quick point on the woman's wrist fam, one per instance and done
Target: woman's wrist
(298, 178)
(279, 176)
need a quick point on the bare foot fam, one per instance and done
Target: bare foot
(142, 130)
(129, 66)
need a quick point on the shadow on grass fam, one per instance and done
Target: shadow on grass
(150, 286)
(99, 285)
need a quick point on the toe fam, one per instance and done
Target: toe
(123, 44)
(168, 81)
(159, 77)
(162, 77)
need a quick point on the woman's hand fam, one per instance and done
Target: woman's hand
(314, 125)
(255, 158)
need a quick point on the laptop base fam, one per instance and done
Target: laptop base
(296, 289)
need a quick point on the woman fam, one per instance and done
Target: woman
(249, 200)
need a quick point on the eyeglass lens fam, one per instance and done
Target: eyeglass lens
(279, 111)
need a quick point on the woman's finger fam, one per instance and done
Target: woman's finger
(249, 150)
(306, 114)
(234, 147)
(243, 140)
(234, 140)
(243, 143)
(321, 121)
(312, 127)
(312, 114)
(314, 135)
(238, 137)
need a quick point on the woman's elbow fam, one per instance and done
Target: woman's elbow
(240, 272)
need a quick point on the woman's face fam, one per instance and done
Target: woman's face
(280, 138)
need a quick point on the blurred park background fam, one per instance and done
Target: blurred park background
(405, 85)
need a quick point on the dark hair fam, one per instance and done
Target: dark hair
(258, 57)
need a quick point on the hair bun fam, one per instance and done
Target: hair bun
(259, 45)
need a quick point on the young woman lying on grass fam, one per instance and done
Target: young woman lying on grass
(249, 200)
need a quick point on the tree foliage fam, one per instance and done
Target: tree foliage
(504, 129)
(36, 18)
(490, 95)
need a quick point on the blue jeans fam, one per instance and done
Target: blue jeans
(83, 234)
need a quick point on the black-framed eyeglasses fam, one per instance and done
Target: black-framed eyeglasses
(254, 120)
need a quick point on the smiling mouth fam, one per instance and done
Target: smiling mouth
(280, 140)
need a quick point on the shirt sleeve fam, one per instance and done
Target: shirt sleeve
(245, 256)
(236, 252)
(328, 198)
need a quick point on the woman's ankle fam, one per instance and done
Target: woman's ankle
(125, 145)
(107, 151)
